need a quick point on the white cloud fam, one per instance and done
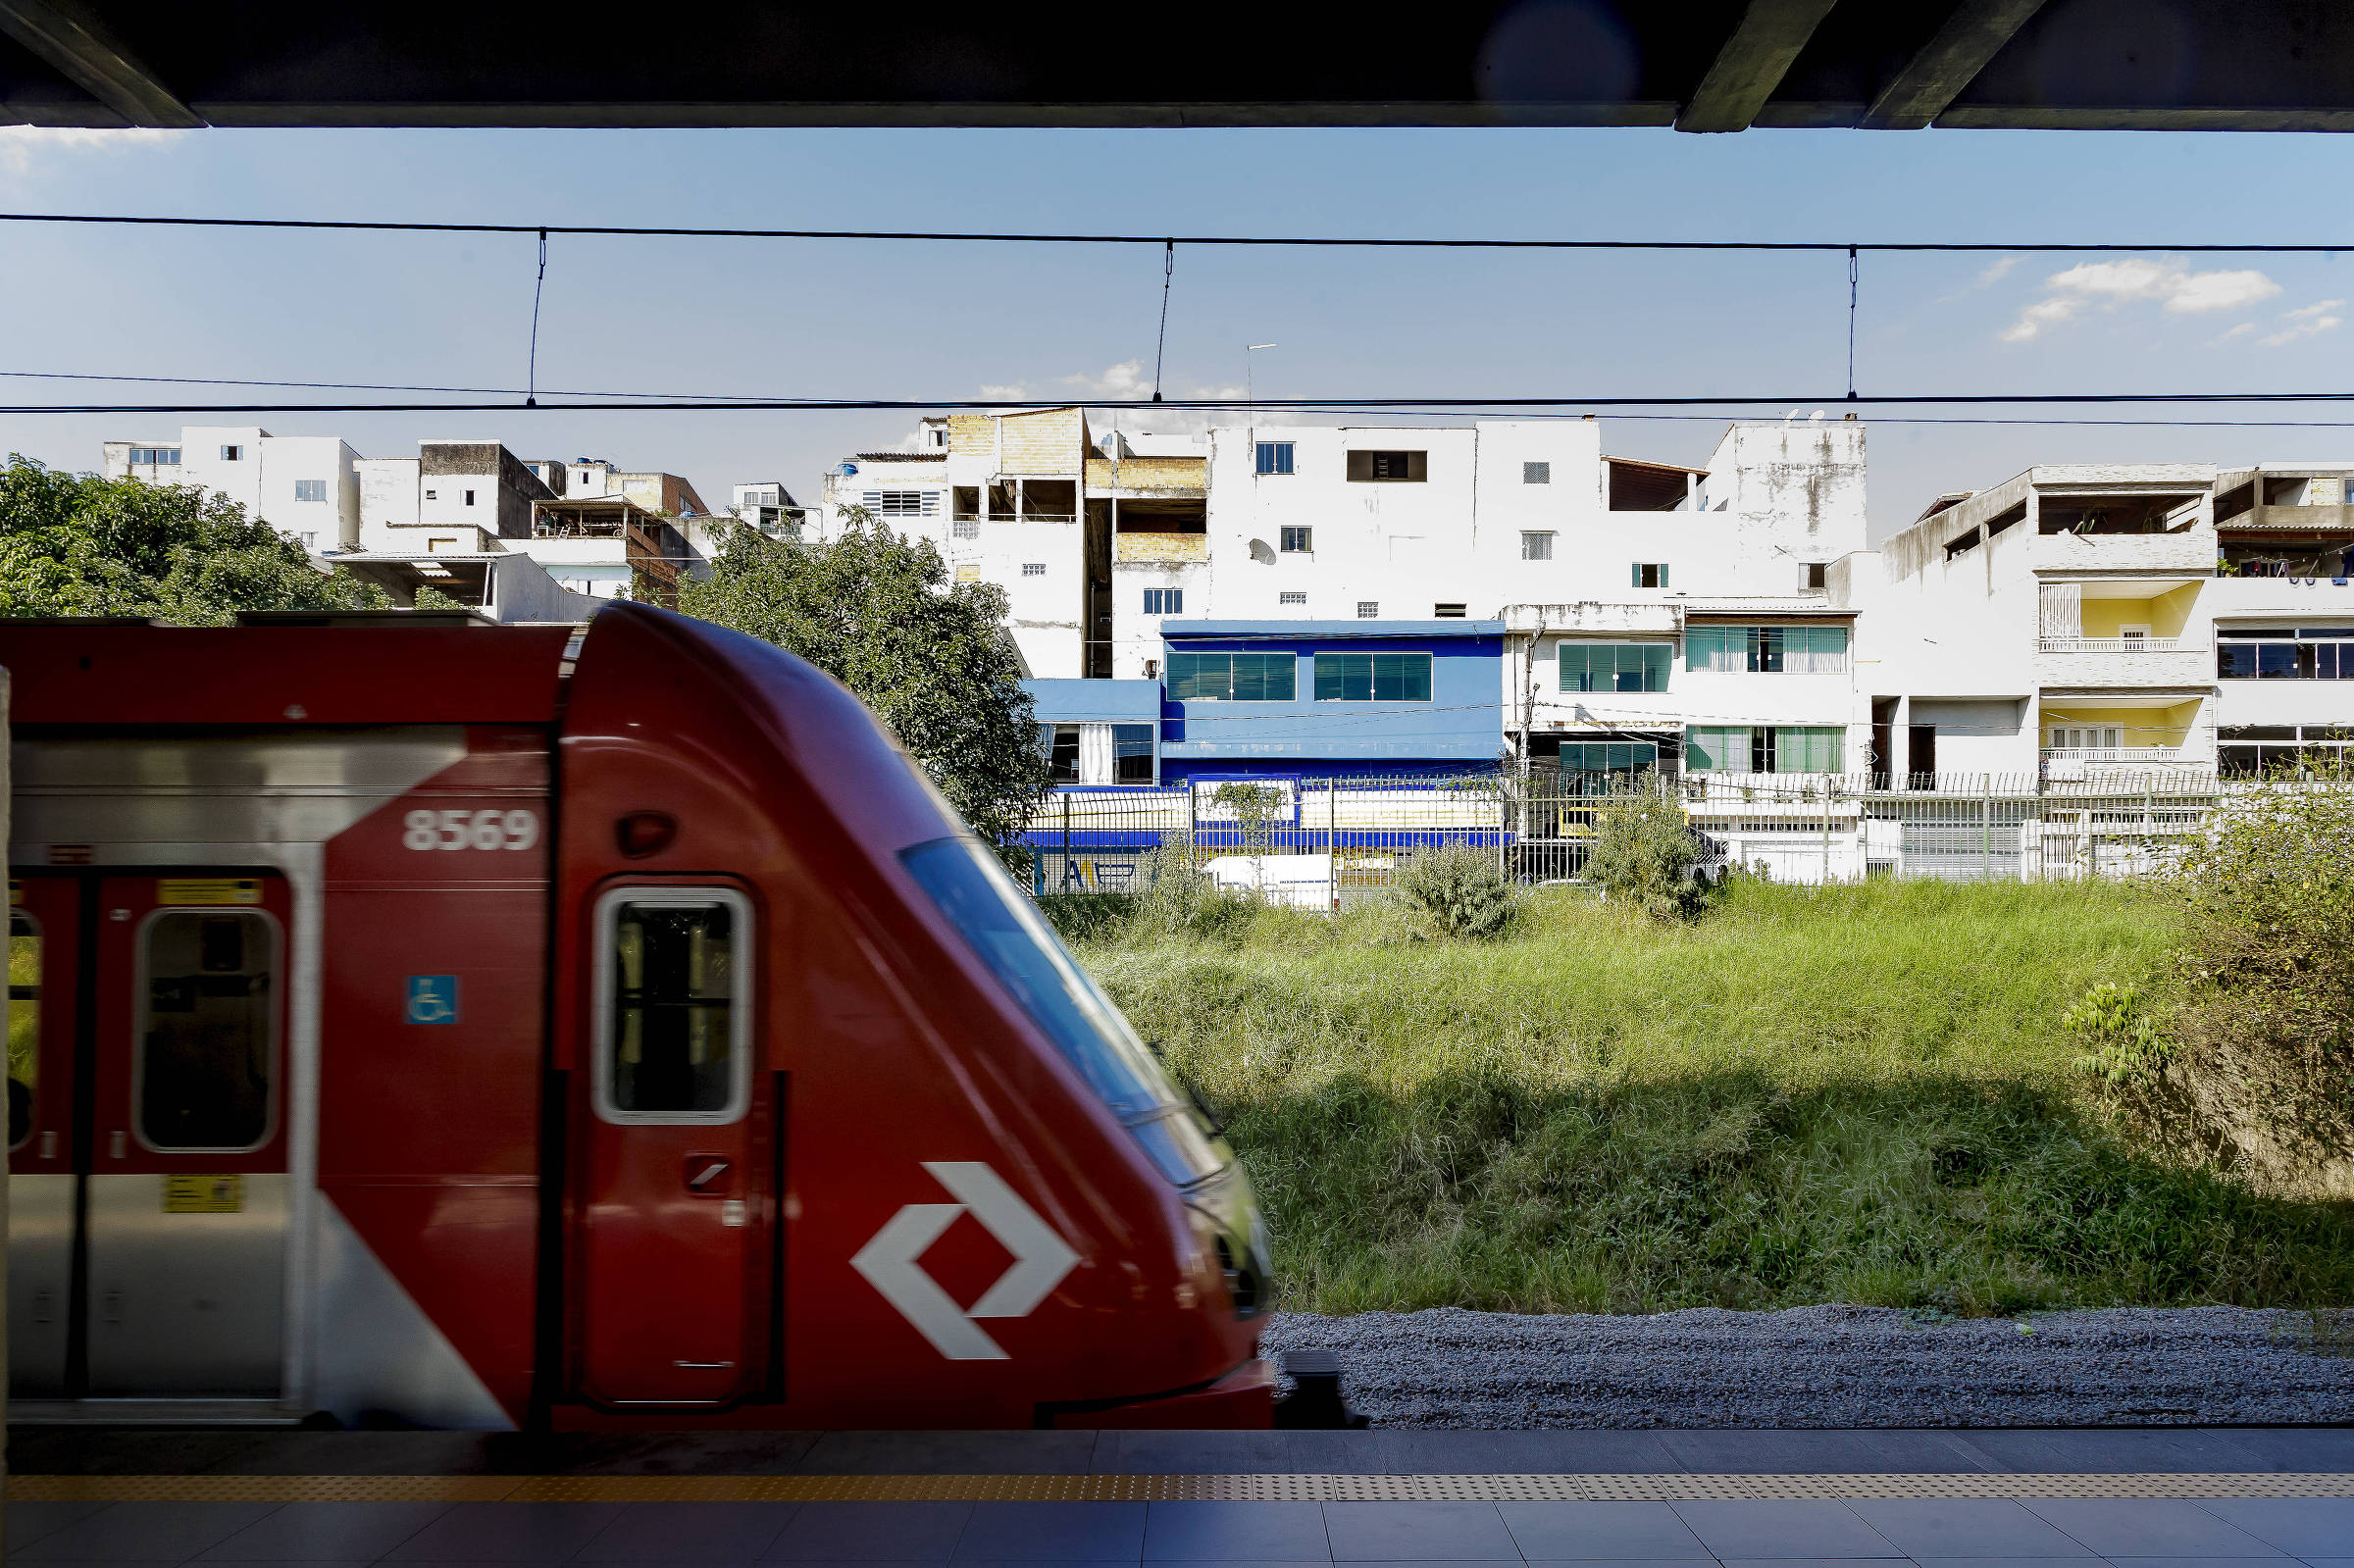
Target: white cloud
(2307, 320)
(1122, 380)
(20, 145)
(2106, 284)
(1001, 393)
(1998, 272)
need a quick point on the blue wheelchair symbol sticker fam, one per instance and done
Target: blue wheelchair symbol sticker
(433, 999)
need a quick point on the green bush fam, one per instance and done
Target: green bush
(1179, 899)
(2266, 1013)
(1456, 890)
(2125, 1049)
(1643, 853)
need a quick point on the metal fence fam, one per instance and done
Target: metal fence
(1319, 841)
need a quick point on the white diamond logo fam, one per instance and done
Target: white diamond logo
(1040, 1258)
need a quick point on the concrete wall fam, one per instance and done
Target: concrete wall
(478, 484)
(522, 591)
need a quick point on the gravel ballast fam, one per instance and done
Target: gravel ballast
(1834, 1366)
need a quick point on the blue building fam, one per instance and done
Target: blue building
(1247, 700)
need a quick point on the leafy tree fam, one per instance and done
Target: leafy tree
(932, 658)
(78, 544)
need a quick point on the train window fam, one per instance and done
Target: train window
(23, 1023)
(673, 1005)
(1022, 951)
(207, 1021)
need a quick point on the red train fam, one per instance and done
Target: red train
(487, 1027)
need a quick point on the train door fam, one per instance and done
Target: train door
(677, 1159)
(155, 1135)
(44, 934)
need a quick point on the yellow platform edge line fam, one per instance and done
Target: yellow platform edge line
(1307, 1487)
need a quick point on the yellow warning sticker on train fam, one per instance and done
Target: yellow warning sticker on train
(208, 890)
(204, 1195)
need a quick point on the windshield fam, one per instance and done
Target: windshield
(1022, 950)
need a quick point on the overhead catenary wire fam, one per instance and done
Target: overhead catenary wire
(532, 374)
(1311, 242)
(1434, 407)
(754, 398)
(1168, 273)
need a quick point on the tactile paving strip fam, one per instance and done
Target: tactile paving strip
(1677, 1487)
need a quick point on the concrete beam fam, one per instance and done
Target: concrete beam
(1752, 64)
(1948, 63)
(69, 35)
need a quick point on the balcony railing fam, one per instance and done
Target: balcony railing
(2144, 755)
(2113, 645)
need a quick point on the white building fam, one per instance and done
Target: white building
(2081, 621)
(767, 505)
(302, 485)
(1020, 500)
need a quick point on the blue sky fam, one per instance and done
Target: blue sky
(825, 319)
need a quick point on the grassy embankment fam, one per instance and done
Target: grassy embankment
(1864, 1095)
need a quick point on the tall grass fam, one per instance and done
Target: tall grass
(1861, 1095)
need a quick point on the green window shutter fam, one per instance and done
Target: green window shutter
(1344, 676)
(1572, 659)
(1202, 676)
(1656, 658)
(1282, 675)
(1808, 748)
(1716, 747)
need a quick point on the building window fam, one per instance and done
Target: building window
(1767, 650)
(1616, 759)
(1614, 666)
(1389, 467)
(966, 527)
(1298, 541)
(1164, 601)
(1536, 473)
(1132, 753)
(1291, 596)
(1034, 568)
(1811, 575)
(1233, 677)
(2086, 737)
(155, 456)
(1275, 457)
(2305, 653)
(1651, 574)
(1368, 609)
(469, 497)
(1061, 742)
(1372, 677)
(310, 489)
(233, 454)
(901, 503)
(429, 495)
(1449, 612)
(1763, 749)
(439, 546)
(1536, 546)
(310, 541)
(2323, 751)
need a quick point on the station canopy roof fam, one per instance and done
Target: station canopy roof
(1697, 65)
